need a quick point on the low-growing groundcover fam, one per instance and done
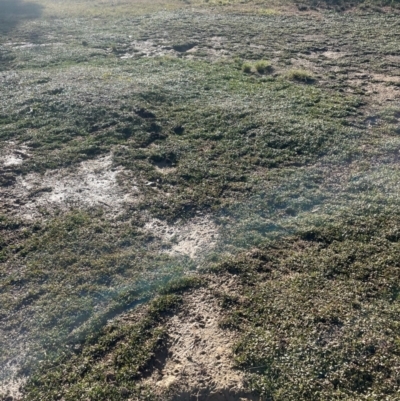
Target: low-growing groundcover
(294, 158)
(319, 313)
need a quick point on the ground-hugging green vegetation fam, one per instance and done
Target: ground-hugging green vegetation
(295, 158)
(310, 328)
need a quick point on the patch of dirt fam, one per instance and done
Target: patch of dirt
(378, 88)
(334, 55)
(29, 45)
(13, 155)
(394, 59)
(390, 79)
(11, 160)
(166, 170)
(12, 385)
(193, 238)
(147, 48)
(92, 183)
(198, 363)
(150, 48)
(303, 63)
(209, 52)
(379, 91)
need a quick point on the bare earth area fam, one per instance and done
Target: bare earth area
(12, 386)
(194, 238)
(198, 364)
(92, 183)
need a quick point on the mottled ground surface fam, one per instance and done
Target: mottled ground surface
(199, 200)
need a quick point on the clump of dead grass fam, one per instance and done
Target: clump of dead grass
(260, 67)
(263, 66)
(246, 68)
(301, 75)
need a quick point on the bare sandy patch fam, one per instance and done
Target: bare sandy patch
(148, 48)
(380, 91)
(198, 363)
(12, 160)
(13, 155)
(334, 55)
(166, 170)
(162, 48)
(394, 59)
(10, 388)
(304, 63)
(389, 79)
(209, 52)
(28, 45)
(91, 183)
(193, 238)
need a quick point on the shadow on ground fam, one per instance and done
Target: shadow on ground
(14, 11)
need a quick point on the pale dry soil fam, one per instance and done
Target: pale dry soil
(194, 238)
(94, 183)
(91, 183)
(13, 155)
(13, 386)
(97, 183)
(197, 363)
